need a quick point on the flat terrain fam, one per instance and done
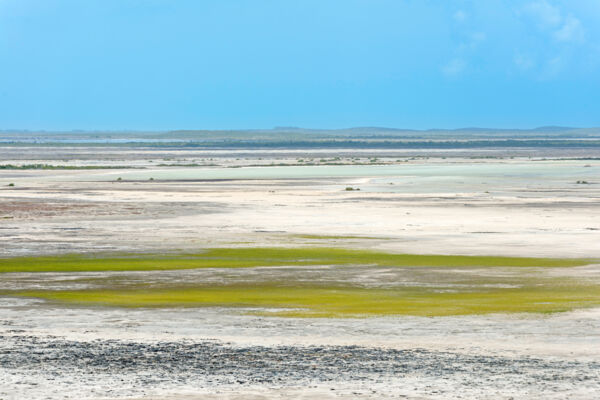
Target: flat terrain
(310, 282)
(283, 273)
(417, 205)
(324, 371)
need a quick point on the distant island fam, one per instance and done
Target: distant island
(293, 137)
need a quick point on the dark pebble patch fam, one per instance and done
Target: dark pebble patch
(222, 363)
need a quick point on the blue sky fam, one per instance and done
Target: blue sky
(182, 64)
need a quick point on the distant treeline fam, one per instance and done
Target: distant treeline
(393, 144)
(329, 143)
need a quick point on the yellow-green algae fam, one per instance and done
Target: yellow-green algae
(257, 256)
(345, 301)
(522, 292)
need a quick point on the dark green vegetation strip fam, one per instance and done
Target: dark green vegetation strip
(359, 143)
(257, 257)
(61, 167)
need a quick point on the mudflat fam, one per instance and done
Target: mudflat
(173, 273)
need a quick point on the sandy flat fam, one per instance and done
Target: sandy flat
(450, 204)
(508, 208)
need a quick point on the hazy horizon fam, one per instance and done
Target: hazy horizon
(302, 128)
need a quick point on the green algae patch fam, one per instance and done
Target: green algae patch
(264, 257)
(343, 302)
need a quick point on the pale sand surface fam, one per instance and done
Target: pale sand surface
(491, 207)
(574, 335)
(436, 206)
(79, 353)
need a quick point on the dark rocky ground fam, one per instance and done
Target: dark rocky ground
(52, 367)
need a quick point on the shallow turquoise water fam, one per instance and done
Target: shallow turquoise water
(541, 170)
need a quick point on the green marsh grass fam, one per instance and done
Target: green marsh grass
(265, 257)
(344, 302)
(477, 293)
